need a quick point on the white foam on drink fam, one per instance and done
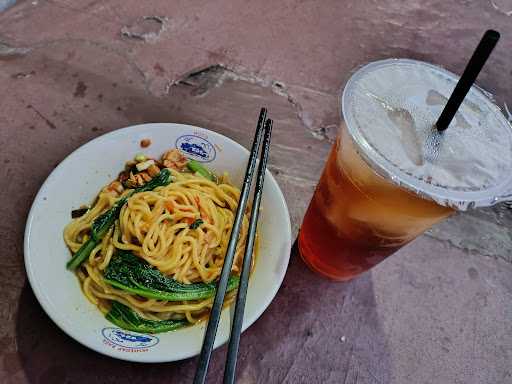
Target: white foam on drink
(390, 108)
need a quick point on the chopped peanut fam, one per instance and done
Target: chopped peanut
(130, 183)
(168, 164)
(123, 176)
(153, 170)
(129, 165)
(174, 159)
(144, 143)
(135, 180)
(145, 176)
(116, 187)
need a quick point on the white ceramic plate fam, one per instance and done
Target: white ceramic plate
(78, 179)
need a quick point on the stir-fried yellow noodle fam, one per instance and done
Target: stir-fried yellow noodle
(182, 229)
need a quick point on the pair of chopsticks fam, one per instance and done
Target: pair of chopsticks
(263, 129)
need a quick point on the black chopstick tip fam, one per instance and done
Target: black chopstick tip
(492, 35)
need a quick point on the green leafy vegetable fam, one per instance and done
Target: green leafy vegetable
(103, 222)
(126, 318)
(132, 274)
(196, 224)
(82, 254)
(197, 167)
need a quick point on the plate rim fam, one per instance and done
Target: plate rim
(141, 358)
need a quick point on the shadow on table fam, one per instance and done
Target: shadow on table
(314, 331)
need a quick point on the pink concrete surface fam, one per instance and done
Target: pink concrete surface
(436, 312)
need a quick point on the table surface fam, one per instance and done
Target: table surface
(439, 311)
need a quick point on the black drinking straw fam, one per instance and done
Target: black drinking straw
(467, 79)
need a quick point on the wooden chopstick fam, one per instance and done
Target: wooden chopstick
(215, 313)
(236, 327)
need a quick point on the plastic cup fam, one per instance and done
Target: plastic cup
(390, 175)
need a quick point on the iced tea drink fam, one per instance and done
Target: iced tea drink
(357, 218)
(391, 174)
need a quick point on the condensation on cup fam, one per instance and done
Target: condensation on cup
(390, 175)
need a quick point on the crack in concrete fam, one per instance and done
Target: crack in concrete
(204, 79)
(48, 122)
(6, 51)
(146, 28)
(215, 75)
(23, 75)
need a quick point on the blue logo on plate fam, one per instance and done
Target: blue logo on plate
(129, 339)
(196, 147)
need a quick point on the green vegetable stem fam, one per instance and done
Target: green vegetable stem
(197, 167)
